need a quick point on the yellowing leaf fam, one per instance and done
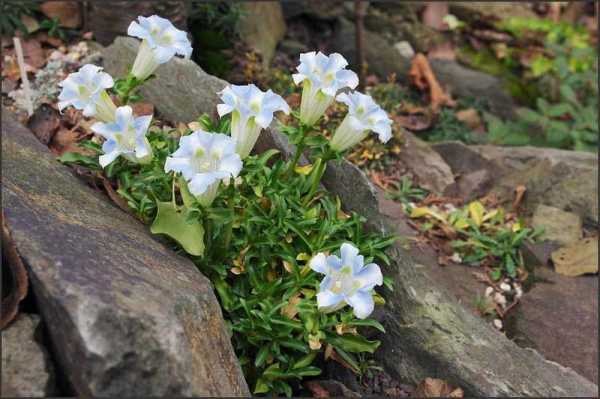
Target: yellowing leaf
(419, 212)
(476, 211)
(303, 170)
(288, 266)
(169, 221)
(461, 223)
(303, 256)
(516, 227)
(490, 215)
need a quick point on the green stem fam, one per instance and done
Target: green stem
(299, 150)
(317, 174)
(229, 230)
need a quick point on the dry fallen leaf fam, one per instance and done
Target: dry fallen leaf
(18, 278)
(435, 388)
(422, 76)
(414, 122)
(290, 310)
(64, 140)
(142, 108)
(470, 117)
(44, 122)
(578, 258)
(316, 389)
(67, 12)
(33, 53)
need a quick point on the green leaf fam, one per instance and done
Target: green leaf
(354, 343)
(262, 355)
(261, 386)
(169, 221)
(568, 93)
(368, 323)
(305, 361)
(79, 159)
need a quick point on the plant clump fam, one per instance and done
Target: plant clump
(294, 273)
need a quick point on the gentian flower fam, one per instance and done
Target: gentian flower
(125, 136)
(205, 159)
(321, 77)
(363, 116)
(86, 90)
(160, 42)
(251, 111)
(347, 281)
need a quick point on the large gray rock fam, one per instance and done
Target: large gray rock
(560, 226)
(383, 59)
(181, 92)
(262, 26)
(127, 316)
(563, 179)
(425, 164)
(27, 370)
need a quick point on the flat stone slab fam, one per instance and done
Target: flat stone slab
(181, 92)
(126, 315)
(560, 226)
(27, 370)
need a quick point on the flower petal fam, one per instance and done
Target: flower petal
(327, 299)
(180, 165)
(200, 182)
(348, 252)
(163, 54)
(107, 159)
(318, 263)
(369, 276)
(362, 304)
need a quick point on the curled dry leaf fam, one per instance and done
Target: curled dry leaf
(64, 141)
(435, 388)
(33, 54)
(470, 117)
(44, 123)
(422, 76)
(415, 122)
(67, 12)
(143, 108)
(11, 261)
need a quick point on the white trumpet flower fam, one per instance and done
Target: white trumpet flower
(347, 281)
(204, 160)
(321, 77)
(160, 42)
(86, 90)
(125, 136)
(364, 115)
(251, 111)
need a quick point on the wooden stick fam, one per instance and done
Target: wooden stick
(21, 62)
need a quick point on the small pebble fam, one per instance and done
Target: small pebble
(456, 258)
(518, 291)
(498, 324)
(505, 287)
(489, 291)
(500, 299)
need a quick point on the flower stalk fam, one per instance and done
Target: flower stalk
(317, 173)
